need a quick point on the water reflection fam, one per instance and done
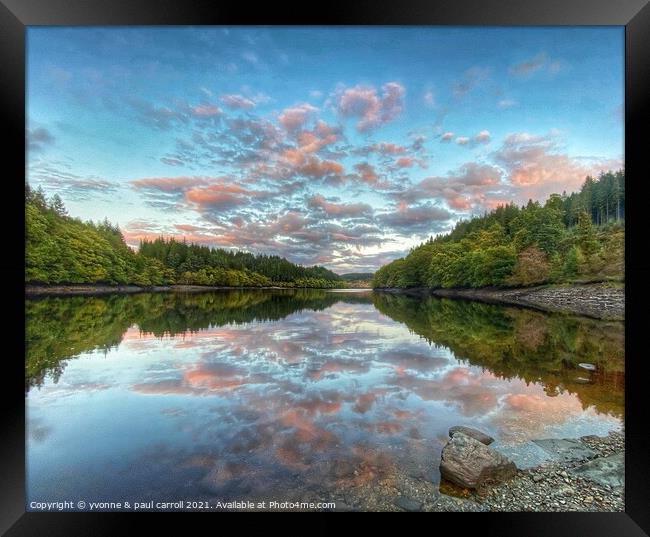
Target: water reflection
(242, 394)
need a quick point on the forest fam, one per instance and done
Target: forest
(569, 239)
(60, 249)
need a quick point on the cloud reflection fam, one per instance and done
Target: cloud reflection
(314, 399)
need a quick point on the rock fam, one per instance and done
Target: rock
(472, 433)
(588, 367)
(606, 471)
(582, 380)
(565, 449)
(467, 462)
(408, 504)
(525, 455)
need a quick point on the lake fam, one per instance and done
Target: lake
(296, 394)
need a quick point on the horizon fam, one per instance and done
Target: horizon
(338, 147)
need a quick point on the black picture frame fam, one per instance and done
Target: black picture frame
(16, 15)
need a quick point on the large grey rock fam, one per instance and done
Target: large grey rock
(472, 433)
(471, 464)
(605, 471)
(566, 450)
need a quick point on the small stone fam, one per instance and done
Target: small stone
(407, 504)
(588, 367)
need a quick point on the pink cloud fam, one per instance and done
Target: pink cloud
(341, 210)
(221, 194)
(471, 184)
(293, 119)
(206, 110)
(405, 162)
(311, 166)
(367, 173)
(447, 137)
(459, 203)
(483, 137)
(371, 109)
(168, 184)
(537, 167)
(321, 136)
(392, 102)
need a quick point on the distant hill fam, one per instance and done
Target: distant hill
(356, 276)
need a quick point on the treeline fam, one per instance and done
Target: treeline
(577, 237)
(357, 276)
(202, 265)
(64, 250)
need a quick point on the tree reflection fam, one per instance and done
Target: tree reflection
(531, 345)
(509, 342)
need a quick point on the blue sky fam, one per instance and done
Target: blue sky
(340, 146)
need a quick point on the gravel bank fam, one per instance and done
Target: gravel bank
(598, 300)
(551, 486)
(556, 486)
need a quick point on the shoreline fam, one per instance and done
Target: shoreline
(590, 480)
(605, 301)
(100, 289)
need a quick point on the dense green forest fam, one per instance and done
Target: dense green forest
(193, 264)
(64, 250)
(571, 238)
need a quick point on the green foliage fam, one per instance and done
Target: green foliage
(576, 237)
(63, 250)
(533, 267)
(201, 265)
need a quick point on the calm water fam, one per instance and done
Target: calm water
(253, 394)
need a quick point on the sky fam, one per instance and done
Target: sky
(337, 146)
